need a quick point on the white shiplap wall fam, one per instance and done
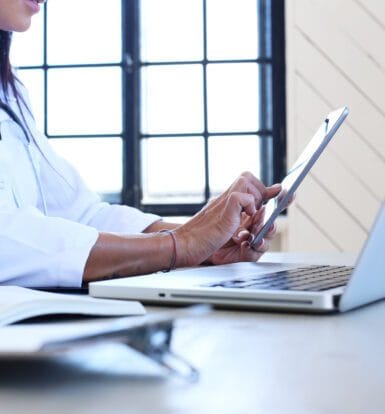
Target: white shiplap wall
(335, 56)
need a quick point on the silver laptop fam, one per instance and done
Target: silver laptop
(265, 285)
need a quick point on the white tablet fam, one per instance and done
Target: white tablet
(301, 167)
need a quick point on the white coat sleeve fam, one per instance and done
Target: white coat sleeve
(75, 201)
(36, 250)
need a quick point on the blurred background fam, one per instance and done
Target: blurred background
(160, 104)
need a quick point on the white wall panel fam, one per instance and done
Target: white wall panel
(334, 57)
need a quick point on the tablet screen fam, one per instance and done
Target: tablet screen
(300, 168)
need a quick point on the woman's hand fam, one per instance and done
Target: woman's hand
(219, 233)
(238, 248)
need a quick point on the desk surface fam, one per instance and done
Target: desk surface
(250, 362)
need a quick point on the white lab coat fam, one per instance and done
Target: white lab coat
(49, 219)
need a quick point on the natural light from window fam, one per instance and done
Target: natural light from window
(84, 103)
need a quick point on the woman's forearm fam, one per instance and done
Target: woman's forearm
(117, 255)
(214, 229)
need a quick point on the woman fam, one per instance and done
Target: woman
(55, 232)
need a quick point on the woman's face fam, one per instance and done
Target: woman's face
(15, 15)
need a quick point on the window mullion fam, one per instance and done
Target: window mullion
(131, 103)
(45, 44)
(205, 104)
(278, 90)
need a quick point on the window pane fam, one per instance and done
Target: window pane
(33, 79)
(172, 99)
(88, 155)
(171, 30)
(27, 48)
(86, 31)
(232, 29)
(173, 170)
(233, 97)
(84, 101)
(229, 156)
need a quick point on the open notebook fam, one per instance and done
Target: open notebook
(17, 304)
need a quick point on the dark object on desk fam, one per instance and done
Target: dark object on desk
(71, 291)
(152, 339)
(148, 335)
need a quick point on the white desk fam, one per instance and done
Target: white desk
(250, 362)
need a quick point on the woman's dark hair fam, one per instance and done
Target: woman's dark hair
(8, 80)
(7, 77)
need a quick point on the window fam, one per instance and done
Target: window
(74, 76)
(160, 104)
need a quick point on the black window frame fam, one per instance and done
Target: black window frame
(273, 158)
(271, 23)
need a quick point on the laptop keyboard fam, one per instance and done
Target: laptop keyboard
(309, 278)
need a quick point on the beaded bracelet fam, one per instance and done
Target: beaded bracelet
(174, 243)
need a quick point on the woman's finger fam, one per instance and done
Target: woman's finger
(241, 236)
(247, 183)
(242, 201)
(272, 191)
(257, 224)
(291, 199)
(251, 254)
(272, 232)
(262, 247)
(253, 181)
